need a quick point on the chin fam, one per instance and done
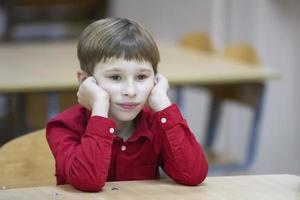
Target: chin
(124, 116)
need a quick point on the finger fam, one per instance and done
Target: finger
(90, 79)
(158, 78)
(155, 80)
(161, 79)
(94, 80)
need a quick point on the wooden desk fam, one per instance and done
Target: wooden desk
(51, 67)
(267, 187)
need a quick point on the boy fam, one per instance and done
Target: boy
(111, 135)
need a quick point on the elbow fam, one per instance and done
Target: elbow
(199, 178)
(93, 187)
(89, 186)
(194, 180)
(85, 179)
(196, 176)
(201, 174)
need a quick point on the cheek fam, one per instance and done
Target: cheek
(111, 89)
(146, 88)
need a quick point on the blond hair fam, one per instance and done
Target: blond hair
(115, 37)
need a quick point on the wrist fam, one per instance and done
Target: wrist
(100, 109)
(161, 102)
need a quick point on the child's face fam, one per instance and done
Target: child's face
(128, 84)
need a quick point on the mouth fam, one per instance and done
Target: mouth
(128, 106)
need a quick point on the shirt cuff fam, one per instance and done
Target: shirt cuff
(169, 117)
(101, 126)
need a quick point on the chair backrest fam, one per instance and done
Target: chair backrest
(197, 40)
(243, 52)
(27, 161)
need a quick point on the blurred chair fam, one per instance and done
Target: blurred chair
(69, 16)
(243, 52)
(27, 161)
(250, 95)
(197, 40)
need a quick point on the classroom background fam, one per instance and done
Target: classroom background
(271, 27)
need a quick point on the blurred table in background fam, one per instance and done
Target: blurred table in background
(49, 19)
(51, 68)
(267, 187)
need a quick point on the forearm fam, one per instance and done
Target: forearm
(182, 156)
(100, 109)
(185, 161)
(84, 163)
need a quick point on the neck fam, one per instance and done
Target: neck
(120, 125)
(124, 129)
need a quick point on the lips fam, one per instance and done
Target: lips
(128, 106)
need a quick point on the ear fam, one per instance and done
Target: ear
(81, 76)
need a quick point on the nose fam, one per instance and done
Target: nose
(129, 89)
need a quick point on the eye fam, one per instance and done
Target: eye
(115, 77)
(141, 77)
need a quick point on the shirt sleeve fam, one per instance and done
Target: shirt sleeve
(182, 157)
(82, 159)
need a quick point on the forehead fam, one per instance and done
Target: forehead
(123, 65)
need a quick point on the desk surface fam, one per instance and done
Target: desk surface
(53, 66)
(267, 187)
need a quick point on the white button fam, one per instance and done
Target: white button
(163, 120)
(123, 148)
(111, 130)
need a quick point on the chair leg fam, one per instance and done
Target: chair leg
(213, 120)
(254, 130)
(53, 105)
(8, 21)
(179, 98)
(17, 113)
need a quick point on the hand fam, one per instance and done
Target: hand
(158, 98)
(93, 97)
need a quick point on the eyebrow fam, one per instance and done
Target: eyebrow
(120, 70)
(113, 70)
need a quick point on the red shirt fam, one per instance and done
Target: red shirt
(87, 153)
